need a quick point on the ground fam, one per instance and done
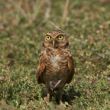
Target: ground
(22, 25)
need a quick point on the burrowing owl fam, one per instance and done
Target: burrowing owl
(56, 65)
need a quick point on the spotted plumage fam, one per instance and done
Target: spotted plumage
(56, 65)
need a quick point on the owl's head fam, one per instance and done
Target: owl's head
(56, 39)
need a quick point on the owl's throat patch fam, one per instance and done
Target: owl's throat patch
(55, 61)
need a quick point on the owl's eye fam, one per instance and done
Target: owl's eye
(47, 37)
(60, 37)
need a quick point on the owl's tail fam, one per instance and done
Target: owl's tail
(54, 84)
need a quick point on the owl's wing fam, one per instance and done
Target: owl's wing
(41, 69)
(71, 68)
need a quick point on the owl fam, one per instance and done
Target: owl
(56, 65)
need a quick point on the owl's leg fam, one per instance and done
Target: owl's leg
(59, 97)
(48, 96)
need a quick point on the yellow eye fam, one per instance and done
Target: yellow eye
(47, 37)
(60, 37)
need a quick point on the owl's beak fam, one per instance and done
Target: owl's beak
(54, 44)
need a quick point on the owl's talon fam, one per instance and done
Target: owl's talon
(47, 98)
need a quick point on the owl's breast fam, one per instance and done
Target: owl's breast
(56, 67)
(55, 60)
(56, 64)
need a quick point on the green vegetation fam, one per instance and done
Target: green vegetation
(22, 24)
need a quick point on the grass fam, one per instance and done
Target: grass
(22, 24)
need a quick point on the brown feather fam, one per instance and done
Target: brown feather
(71, 68)
(56, 65)
(41, 69)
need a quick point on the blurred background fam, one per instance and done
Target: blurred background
(22, 24)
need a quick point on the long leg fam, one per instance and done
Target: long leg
(48, 95)
(59, 97)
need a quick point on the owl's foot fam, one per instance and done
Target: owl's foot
(47, 98)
